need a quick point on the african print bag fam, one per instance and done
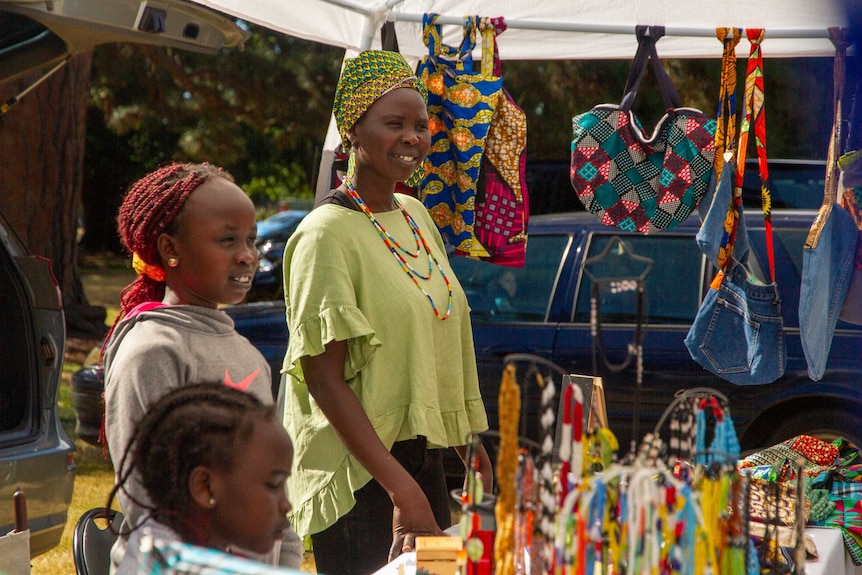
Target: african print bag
(636, 182)
(502, 205)
(461, 103)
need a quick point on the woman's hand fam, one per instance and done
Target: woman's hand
(485, 471)
(411, 518)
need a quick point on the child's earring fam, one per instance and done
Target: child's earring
(173, 262)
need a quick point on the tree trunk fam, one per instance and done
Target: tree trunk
(42, 140)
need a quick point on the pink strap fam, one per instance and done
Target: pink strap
(143, 307)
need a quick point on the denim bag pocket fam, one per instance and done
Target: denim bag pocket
(738, 332)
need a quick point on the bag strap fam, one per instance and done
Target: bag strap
(638, 69)
(669, 94)
(388, 37)
(490, 29)
(725, 136)
(647, 37)
(755, 116)
(725, 133)
(432, 37)
(840, 40)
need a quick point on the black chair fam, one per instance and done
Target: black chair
(91, 544)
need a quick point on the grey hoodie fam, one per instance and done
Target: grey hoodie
(154, 351)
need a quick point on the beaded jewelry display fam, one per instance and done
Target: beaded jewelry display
(396, 249)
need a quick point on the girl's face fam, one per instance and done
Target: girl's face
(214, 247)
(251, 499)
(392, 137)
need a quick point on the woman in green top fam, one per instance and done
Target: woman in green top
(380, 373)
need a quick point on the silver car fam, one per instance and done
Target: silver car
(36, 454)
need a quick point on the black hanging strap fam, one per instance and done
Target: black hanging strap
(388, 37)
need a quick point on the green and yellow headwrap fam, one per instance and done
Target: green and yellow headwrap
(365, 79)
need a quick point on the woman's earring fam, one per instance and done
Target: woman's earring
(173, 262)
(212, 502)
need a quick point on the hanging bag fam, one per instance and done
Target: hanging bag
(461, 103)
(830, 249)
(502, 205)
(738, 333)
(636, 182)
(720, 208)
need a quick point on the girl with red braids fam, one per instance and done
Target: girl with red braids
(191, 233)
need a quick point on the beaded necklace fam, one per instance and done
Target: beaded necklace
(396, 249)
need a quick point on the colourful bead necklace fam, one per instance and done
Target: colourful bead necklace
(396, 249)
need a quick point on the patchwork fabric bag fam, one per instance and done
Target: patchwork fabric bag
(633, 181)
(461, 104)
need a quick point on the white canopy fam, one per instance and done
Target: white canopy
(549, 29)
(556, 29)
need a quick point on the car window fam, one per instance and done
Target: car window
(504, 294)
(795, 184)
(672, 280)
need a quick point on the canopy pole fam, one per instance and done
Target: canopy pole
(797, 33)
(374, 15)
(374, 12)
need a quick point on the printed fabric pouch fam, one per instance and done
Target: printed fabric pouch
(502, 205)
(461, 104)
(830, 249)
(632, 181)
(738, 332)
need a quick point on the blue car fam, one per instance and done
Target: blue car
(272, 235)
(548, 314)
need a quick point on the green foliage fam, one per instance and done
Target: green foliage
(289, 182)
(260, 112)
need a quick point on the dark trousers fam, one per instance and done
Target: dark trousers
(359, 542)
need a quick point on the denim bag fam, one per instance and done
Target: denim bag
(738, 333)
(827, 265)
(830, 250)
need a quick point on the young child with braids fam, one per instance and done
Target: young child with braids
(190, 231)
(214, 462)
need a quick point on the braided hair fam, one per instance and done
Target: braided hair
(153, 205)
(200, 424)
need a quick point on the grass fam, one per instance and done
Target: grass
(103, 279)
(93, 482)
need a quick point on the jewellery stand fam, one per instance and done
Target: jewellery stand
(618, 278)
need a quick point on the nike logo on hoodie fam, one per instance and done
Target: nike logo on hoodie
(240, 385)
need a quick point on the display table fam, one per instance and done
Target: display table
(833, 559)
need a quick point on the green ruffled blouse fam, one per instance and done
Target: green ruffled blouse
(413, 373)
